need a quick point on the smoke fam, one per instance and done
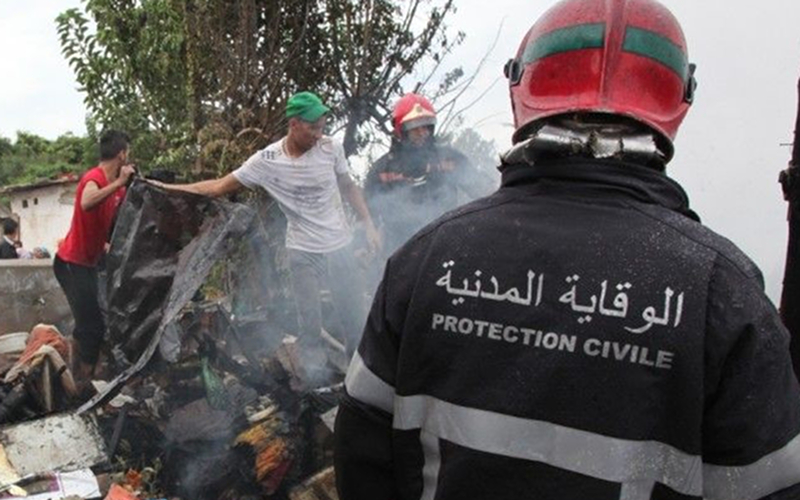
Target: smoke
(410, 186)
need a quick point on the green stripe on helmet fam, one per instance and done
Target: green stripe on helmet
(582, 36)
(654, 46)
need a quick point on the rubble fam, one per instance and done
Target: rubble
(117, 492)
(73, 485)
(204, 404)
(37, 379)
(320, 487)
(55, 443)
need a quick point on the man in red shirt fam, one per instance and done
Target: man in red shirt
(100, 193)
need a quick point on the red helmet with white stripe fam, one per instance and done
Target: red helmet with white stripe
(412, 111)
(620, 57)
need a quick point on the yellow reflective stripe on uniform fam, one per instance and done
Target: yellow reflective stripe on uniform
(362, 384)
(602, 457)
(773, 472)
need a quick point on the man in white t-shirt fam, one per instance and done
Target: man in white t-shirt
(307, 174)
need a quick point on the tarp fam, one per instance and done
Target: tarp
(163, 247)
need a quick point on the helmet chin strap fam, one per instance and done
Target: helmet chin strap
(592, 140)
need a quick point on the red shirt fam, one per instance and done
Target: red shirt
(90, 229)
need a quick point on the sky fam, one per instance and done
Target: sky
(728, 152)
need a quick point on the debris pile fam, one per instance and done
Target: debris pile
(36, 378)
(204, 403)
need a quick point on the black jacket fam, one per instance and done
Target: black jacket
(7, 250)
(576, 335)
(409, 187)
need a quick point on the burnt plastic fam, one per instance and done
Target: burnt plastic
(163, 247)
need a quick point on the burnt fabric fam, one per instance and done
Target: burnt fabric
(577, 334)
(45, 335)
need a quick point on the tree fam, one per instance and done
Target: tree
(6, 147)
(204, 82)
(31, 157)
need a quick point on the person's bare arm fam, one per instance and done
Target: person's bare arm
(213, 187)
(93, 195)
(355, 198)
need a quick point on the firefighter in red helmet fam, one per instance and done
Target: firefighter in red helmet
(577, 334)
(418, 179)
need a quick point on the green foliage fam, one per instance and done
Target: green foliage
(201, 84)
(126, 66)
(31, 158)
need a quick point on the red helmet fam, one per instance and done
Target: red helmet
(622, 57)
(412, 111)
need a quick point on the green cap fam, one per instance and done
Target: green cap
(307, 106)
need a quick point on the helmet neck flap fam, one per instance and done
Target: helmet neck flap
(620, 58)
(591, 136)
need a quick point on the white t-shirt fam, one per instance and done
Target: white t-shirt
(306, 190)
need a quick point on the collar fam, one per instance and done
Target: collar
(643, 184)
(9, 240)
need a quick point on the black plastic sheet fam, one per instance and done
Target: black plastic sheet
(163, 247)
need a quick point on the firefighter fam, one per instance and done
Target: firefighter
(418, 179)
(577, 334)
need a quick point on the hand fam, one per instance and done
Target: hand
(125, 174)
(373, 238)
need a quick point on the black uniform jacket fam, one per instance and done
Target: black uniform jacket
(409, 187)
(576, 335)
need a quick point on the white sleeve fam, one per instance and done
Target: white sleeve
(340, 165)
(253, 171)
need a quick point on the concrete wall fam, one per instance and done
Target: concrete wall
(30, 294)
(47, 216)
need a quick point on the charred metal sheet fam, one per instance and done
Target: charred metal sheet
(57, 443)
